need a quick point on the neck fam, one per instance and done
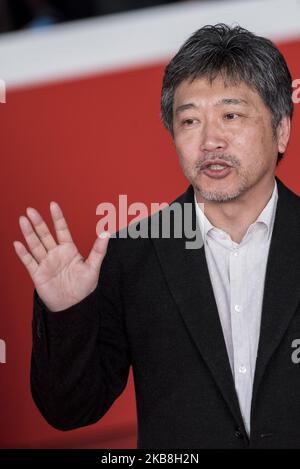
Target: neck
(235, 216)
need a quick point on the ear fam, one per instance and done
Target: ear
(283, 133)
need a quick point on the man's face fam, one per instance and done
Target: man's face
(230, 129)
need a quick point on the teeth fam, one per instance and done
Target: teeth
(216, 166)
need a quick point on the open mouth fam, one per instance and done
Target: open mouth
(216, 170)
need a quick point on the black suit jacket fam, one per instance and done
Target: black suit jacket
(154, 309)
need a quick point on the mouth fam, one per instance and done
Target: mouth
(216, 169)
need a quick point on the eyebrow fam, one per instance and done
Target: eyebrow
(232, 101)
(183, 107)
(236, 101)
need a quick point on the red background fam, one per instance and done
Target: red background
(82, 142)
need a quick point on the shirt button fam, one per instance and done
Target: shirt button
(237, 308)
(242, 369)
(235, 254)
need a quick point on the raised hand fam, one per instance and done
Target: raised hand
(62, 277)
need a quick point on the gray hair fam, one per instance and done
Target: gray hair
(238, 56)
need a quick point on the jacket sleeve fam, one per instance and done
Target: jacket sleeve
(80, 356)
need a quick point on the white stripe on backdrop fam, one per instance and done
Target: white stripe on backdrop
(132, 39)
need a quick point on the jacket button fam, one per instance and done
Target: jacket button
(238, 434)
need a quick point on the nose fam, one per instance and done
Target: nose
(212, 138)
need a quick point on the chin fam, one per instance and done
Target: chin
(217, 194)
(220, 190)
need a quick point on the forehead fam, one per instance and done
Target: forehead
(201, 91)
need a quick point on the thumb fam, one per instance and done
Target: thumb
(98, 251)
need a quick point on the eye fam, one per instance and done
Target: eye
(231, 116)
(188, 122)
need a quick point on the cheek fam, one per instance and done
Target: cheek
(261, 136)
(186, 148)
(267, 147)
(253, 144)
(247, 137)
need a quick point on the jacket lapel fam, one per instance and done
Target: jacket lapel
(188, 279)
(282, 282)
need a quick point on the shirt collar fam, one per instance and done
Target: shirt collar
(266, 216)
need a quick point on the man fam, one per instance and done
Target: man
(209, 332)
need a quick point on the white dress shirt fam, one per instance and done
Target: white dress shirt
(237, 273)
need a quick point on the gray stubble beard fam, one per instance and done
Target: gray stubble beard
(224, 196)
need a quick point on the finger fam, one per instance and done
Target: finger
(33, 241)
(98, 251)
(61, 228)
(41, 228)
(27, 259)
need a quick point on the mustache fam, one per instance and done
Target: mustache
(227, 158)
